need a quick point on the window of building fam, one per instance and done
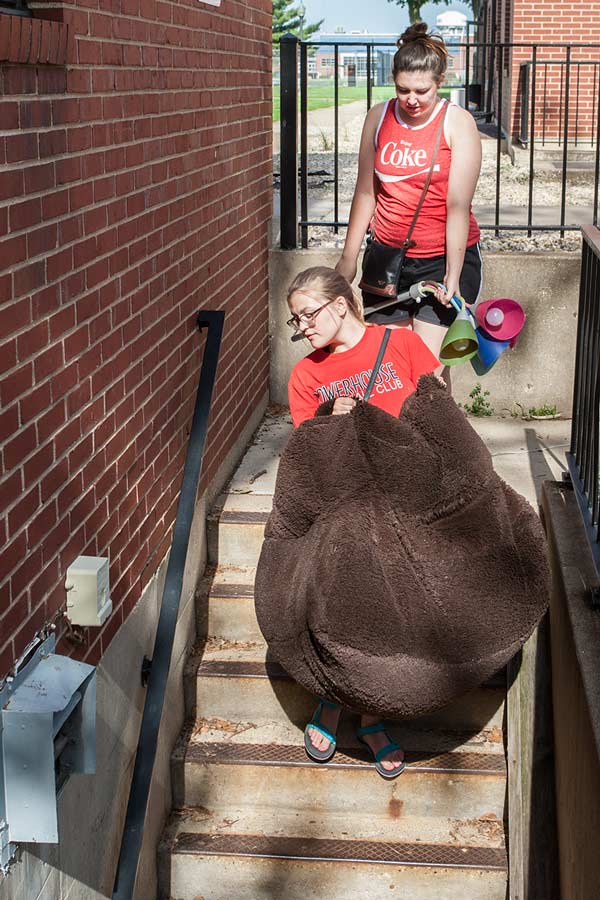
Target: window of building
(14, 7)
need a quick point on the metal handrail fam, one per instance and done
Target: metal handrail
(583, 457)
(167, 622)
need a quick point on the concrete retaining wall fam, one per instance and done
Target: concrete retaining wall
(539, 370)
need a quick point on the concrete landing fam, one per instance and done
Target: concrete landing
(525, 452)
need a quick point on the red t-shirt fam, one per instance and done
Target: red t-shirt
(322, 376)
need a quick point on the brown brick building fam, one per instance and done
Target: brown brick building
(532, 22)
(135, 190)
(135, 178)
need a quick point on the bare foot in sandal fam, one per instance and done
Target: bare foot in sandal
(372, 733)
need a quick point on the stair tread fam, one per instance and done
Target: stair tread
(429, 740)
(226, 589)
(237, 516)
(406, 853)
(249, 660)
(463, 762)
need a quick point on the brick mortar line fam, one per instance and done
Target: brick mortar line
(72, 126)
(102, 446)
(131, 268)
(106, 412)
(60, 341)
(212, 11)
(114, 199)
(27, 164)
(87, 38)
(137, 92)
(90, 123)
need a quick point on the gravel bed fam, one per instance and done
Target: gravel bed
(514, 192)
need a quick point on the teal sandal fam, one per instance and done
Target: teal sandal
(320, 755)
(388, 748)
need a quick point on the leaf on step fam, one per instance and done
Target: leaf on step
(203, 725)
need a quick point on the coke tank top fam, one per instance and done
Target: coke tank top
(402, 161)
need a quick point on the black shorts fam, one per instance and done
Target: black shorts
(432, 268)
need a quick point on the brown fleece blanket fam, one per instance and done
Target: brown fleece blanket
(398, 570)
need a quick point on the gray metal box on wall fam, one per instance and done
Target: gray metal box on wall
(47, 733)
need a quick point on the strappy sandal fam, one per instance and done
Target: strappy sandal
(320, 755)
(388, 748)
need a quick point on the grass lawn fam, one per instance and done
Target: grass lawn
(320, 95)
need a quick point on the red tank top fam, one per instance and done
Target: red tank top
(402, 161)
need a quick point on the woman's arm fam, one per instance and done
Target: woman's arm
(363, 201)
(465, 165)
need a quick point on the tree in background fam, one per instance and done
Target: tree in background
(414, 7)
(287, 17)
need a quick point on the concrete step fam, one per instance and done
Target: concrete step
(228, 688)
(222, 863)
(415, 739)
(235, 525)
(222, 649)
(225, 604)
(235, 534)
(439, 798)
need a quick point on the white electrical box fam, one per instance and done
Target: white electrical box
(88, 591)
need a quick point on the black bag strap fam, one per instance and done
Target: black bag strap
(382, 346)
(408, 243)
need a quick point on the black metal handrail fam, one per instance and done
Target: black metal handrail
(582, 459)
(485, 69)
(167, 622)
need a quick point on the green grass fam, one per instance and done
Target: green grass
(320, 95)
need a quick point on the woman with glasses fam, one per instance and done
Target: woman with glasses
(326, 312)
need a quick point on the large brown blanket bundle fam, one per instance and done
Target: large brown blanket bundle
(398, 570)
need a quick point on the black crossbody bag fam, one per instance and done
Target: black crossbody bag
(382, 264)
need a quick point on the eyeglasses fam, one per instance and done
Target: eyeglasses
(306, 318)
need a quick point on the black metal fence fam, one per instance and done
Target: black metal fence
(531, 96)
(585, 433)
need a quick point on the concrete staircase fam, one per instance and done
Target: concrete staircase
(254, 819)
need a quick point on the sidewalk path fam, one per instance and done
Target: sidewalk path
(321, 125)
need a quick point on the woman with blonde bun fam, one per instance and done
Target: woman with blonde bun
(397, 146)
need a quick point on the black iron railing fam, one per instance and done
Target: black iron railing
(156, 671)
(567, 92)
(585, 430)
(547, 106)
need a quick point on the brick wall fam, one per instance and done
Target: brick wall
(577, 21)
(135, 188)
(553, 21)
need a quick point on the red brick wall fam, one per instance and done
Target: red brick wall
(553, 21)
(135, 188)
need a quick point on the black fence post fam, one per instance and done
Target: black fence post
(289, 141)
